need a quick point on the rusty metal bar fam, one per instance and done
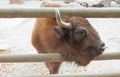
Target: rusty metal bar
(49, 12)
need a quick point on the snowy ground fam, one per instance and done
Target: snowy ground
(15, 38)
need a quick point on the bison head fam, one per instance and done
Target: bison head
(81, 41)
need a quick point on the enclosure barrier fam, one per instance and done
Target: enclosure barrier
(78, 75)
(50, 57)
(56, 57)
(43, 12)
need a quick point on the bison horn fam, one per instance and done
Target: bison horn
(59, 20)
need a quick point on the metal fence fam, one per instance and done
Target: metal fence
(56, 57)
(43, 12)
(49, 57)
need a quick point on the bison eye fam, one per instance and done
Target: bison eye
(80, 33)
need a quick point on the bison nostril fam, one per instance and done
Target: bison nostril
(102, 46)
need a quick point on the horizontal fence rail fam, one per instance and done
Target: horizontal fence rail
(78, 75)
(50, 12)
(49, 57)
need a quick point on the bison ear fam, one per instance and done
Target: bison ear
(59, 31)
(80, 33)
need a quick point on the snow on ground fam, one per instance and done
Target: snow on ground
(15, 38)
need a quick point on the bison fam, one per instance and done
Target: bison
(71, 36)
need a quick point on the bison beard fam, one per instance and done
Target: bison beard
(73, 37)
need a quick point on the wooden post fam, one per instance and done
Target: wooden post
(16, 1)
